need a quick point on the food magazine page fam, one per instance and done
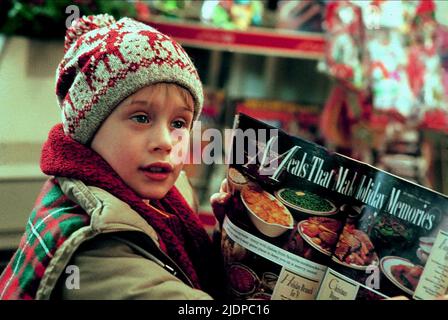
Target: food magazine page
(284, 220)
(305, 223)
(394, 244)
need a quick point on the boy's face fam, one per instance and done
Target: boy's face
(137, 138)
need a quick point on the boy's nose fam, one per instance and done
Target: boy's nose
(160, 139)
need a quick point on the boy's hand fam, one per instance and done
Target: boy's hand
(219, 201)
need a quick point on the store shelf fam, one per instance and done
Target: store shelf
(253, 41)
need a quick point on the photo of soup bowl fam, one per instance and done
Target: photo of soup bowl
(268, 214)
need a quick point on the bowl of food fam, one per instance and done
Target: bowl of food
(355, 249)
(267, 213)
(401, 272)
(392, 234)
(243, 281)
(236, 180)
(320, 232)
(306, 202)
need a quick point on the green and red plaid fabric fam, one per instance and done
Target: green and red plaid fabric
(53, 219)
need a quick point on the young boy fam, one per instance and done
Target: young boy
(110, 222)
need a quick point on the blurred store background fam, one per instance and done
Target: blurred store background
(368, 79)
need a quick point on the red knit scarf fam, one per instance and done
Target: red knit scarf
(181, 233)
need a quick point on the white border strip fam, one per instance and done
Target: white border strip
(290, 261)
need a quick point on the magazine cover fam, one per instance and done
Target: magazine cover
(305, 223)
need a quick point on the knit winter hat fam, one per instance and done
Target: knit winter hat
(106, 61)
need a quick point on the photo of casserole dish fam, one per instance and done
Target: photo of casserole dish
(306, 202)
(267, 213)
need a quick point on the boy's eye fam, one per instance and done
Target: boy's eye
(140, 118)
(179, 124)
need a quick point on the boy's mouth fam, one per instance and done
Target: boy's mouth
(158, 170)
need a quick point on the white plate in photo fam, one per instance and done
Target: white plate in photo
(268, 228)
(355, 266)
(303, 193)
(309, 240)
(388, 262)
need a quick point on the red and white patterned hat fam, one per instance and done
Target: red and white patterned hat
(106, 61)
